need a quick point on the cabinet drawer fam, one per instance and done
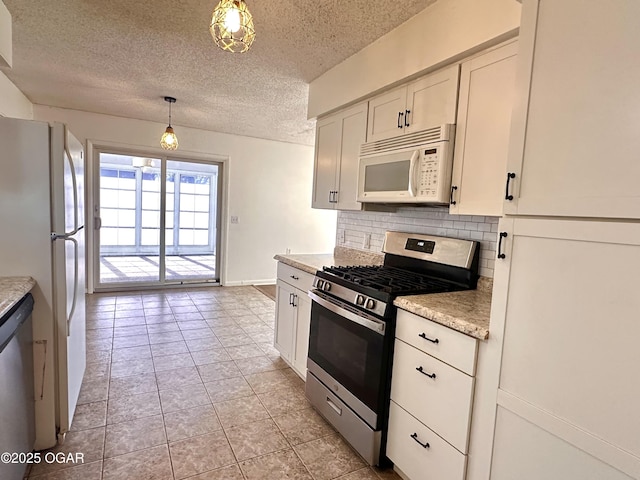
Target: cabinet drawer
(440, 461)
(454, 348)
(443, 403)
(295, 277)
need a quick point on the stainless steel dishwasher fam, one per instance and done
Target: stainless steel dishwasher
(17, 402)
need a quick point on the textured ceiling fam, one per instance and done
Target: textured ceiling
(120, 57)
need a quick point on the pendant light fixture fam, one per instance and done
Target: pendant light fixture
(232, 26)
(169, 141)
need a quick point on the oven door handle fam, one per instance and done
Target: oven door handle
(371, 323)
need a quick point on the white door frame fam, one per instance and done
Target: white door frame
(91, 183)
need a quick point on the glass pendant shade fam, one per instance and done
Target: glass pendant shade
(232, 26)
(169, 141)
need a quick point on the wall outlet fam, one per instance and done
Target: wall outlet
(234, 219)
(288, 251)
(366, 242)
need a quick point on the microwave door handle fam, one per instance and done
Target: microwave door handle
(412, 173)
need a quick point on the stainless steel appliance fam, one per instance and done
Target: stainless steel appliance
(413, 168)
(42, 214)
(17, 414)
(353, 327)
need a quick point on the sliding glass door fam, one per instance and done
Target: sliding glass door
(156, 221)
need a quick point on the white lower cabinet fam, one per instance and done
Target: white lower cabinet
(530, 453)
(293, 316)
(570, 357)
(418, 452)
(432, 388)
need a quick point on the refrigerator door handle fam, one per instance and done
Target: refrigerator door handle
(74, 181)
(75, 284)
(65, 236)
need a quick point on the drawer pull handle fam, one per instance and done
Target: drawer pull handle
(430, 375)
(423, 445)
(335, 408)
(422, 335)
(294, 277)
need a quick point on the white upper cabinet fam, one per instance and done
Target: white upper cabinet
(574, 143)
(482, 132)
(338, 140)
(427, 102)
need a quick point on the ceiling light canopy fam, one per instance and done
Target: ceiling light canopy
(232, 26)
(169, 141)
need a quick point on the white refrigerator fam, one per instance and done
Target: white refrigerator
(42, 235)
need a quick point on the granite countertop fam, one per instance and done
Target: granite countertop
(467, 311)
(12, 289)
(341, 256)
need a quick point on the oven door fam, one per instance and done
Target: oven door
(352, 348)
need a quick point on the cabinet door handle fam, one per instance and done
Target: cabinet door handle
(500, 254)
(400, 115)
(294, 277)
(507, 195)
(406, 117)
(335, 196)
(294, 304)
(451, 200)
(331, 196)
(421, 370)
(415, 437)
(291, 299)
(423, 335)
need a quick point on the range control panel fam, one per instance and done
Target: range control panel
(429, 173)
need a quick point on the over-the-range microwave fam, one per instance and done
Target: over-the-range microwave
(412, 168)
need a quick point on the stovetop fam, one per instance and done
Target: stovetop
(414, 264)
(389, 280)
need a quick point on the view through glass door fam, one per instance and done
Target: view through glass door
(135, 206)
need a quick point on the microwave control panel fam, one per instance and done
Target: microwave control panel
(429, 173)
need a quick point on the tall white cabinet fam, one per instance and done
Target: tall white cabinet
(565, 295)
(338, 140)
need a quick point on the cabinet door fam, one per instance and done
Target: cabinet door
(482, 132)
(574, 146)
(353, 134)
(570, 353)
(524, 451)
(326, 161)
(386, 115)
(303, 321)
(432, 100)
(285, 320)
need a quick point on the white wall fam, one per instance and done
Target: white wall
(442, 33)
(13, 103)
(269, 188)
(353, 226)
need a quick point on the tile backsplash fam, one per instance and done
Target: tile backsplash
(355, 229)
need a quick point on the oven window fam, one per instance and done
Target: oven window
(387, 177)
(348, 349)
(352, 354)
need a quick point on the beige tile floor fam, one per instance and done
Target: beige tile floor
(186, 384)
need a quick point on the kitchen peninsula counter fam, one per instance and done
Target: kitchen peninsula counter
(12, 289)
(466, 311)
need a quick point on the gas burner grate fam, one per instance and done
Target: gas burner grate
(390, 279)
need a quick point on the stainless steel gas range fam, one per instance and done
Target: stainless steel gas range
(353, 326)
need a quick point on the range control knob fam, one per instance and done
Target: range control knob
(319, 284)
(326, 287)
(370, 303)
(360, 300)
